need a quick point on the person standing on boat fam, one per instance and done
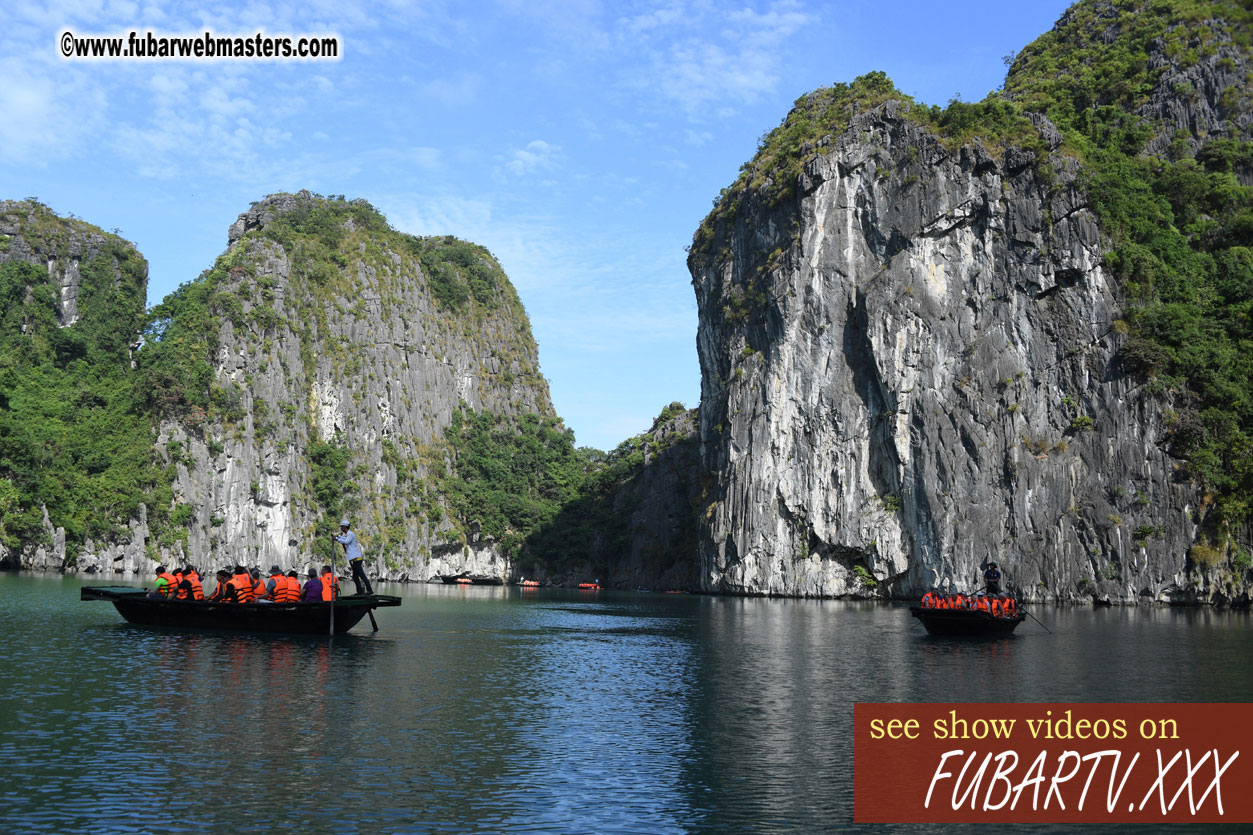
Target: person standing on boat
(313, 588)
(992, 579)
(352, 550)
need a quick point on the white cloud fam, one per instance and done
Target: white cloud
(537, 157)
(709, 62)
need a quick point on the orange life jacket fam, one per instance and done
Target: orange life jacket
(170, 583)
(197, 590)
(928, 600)
(982, 604)
(330, 586)
(283, 592)
(259, 589)
(1010, 607)
(243, 588)
(996, 608)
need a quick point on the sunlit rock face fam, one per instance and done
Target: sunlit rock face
(358, 350)
(924, 379)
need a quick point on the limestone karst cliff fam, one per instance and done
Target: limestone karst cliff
(913, 336)
(328, 354)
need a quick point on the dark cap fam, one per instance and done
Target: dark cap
(274, 569)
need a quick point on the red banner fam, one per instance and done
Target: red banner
(1053, 763)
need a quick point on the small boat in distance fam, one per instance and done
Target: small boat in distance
(966, 622)
(292, 618)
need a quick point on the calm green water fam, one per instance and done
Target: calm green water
(497, 710)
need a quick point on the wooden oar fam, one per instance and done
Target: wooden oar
(1037, 620)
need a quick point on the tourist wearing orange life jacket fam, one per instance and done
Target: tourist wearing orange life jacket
(259, 589)
(293, 586)
(929, 600)
(242, 583)
(226, 591)
(276, 586)
(330, 584)
(189, 588)
(164, 587)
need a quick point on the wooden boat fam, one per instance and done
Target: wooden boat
(966, 622)
(292, 618)
(453, 579)
(480, 580)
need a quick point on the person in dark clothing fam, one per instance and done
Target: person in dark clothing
(992, 579)
(313, 588)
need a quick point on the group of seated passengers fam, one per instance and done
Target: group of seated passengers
(244, 586)
(997, 605)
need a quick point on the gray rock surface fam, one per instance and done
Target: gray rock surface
(374, 362)
(910, 368)
(929, 382)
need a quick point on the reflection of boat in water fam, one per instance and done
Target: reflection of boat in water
(966, 622)
(300, 618)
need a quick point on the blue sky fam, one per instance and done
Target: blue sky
(581, 142)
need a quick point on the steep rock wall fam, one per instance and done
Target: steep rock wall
(930, 384)
(361, 354)
(910, 359)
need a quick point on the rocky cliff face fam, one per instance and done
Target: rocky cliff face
(340, 350)
(31, 232)
(910, 368)
(659, 504)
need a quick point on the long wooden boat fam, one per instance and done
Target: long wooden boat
(966, 622)
(293, 618)
(481, 580)
(453, 579)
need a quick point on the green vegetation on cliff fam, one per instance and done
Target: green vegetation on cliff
(510, 475)
(1180, 225)
(551, 505)
(71, 438)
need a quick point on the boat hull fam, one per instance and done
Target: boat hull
(286, 618)
(965, 622)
